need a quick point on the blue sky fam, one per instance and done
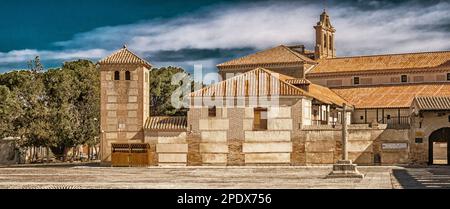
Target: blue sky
(185, 33)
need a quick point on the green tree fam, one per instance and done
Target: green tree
(9, 111)
(73, 94)
(31, 124)
(161, 90)
(88, 101)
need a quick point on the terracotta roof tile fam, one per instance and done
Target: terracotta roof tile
(433, 102)
(298, 81)
(326, 95)
(412, 61)
(278, 55)
(166, 123)
(258, 82)
(124, 56)
(268, 83)
(390, 96)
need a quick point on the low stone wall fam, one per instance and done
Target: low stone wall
(8, 153)
(366, 146)
(315, 146)
(170, 148)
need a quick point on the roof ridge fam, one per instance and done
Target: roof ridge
(125, 50)
(113, 54)
(295, 87)
(258, 53)
(134, 54)
(268, 72)
(393, 54)
(324, 87)
(297, 54)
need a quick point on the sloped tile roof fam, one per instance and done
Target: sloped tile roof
(389, 62)
(124, 56)
(298, 81)
(433, 102)
(390, 96)
(326, 95)
(263, 82)
(258, 82)
(278, 55)
(166, 123)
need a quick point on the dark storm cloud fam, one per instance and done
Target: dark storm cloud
(221, 32)
(196, 54)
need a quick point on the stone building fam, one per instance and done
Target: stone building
(282, 106)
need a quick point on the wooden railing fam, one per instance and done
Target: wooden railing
(402, 122)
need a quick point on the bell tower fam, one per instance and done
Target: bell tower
(325, 47)
(125, 102)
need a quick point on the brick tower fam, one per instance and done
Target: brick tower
(125, 102)
(325, 47)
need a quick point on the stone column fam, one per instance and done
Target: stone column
(345, 167)
(344, 133)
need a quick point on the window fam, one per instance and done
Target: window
(362, 117)
(404, 78)
(331, 42)
(356, 81)
(260, 120)
(117, 75)
(128, 76)
(388, 117)
(448, 76)
(449, 118)
(325, 39)
(419, 140)
(212, 112)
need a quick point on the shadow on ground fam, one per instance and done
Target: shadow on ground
(54, 165)
(423, 178)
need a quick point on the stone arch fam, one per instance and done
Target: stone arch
(439, 135)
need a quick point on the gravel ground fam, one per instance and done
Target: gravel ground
(91, 177)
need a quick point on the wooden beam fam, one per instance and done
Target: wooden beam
(377, 116)
(365, 116)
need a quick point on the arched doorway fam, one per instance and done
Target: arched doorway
(438, 149)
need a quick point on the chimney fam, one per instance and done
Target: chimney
(298, 48)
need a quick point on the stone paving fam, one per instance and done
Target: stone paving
(84, 177)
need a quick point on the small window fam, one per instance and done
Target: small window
(362, 117)
(448, 76)
(356, 81)
(128, 76)
(331, 42)
(388, 117)
(419, 140)
(260, 120)
(212, 112)
(117, 75)
(404, 78)
(449, 118)
(325, 39)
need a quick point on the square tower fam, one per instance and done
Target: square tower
(125, 100)
(325, 47)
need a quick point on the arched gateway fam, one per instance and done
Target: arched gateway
(438, 149)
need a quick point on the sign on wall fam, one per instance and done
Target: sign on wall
(394, 146)
(420, 134)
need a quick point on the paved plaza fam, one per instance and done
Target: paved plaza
(95, 177)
